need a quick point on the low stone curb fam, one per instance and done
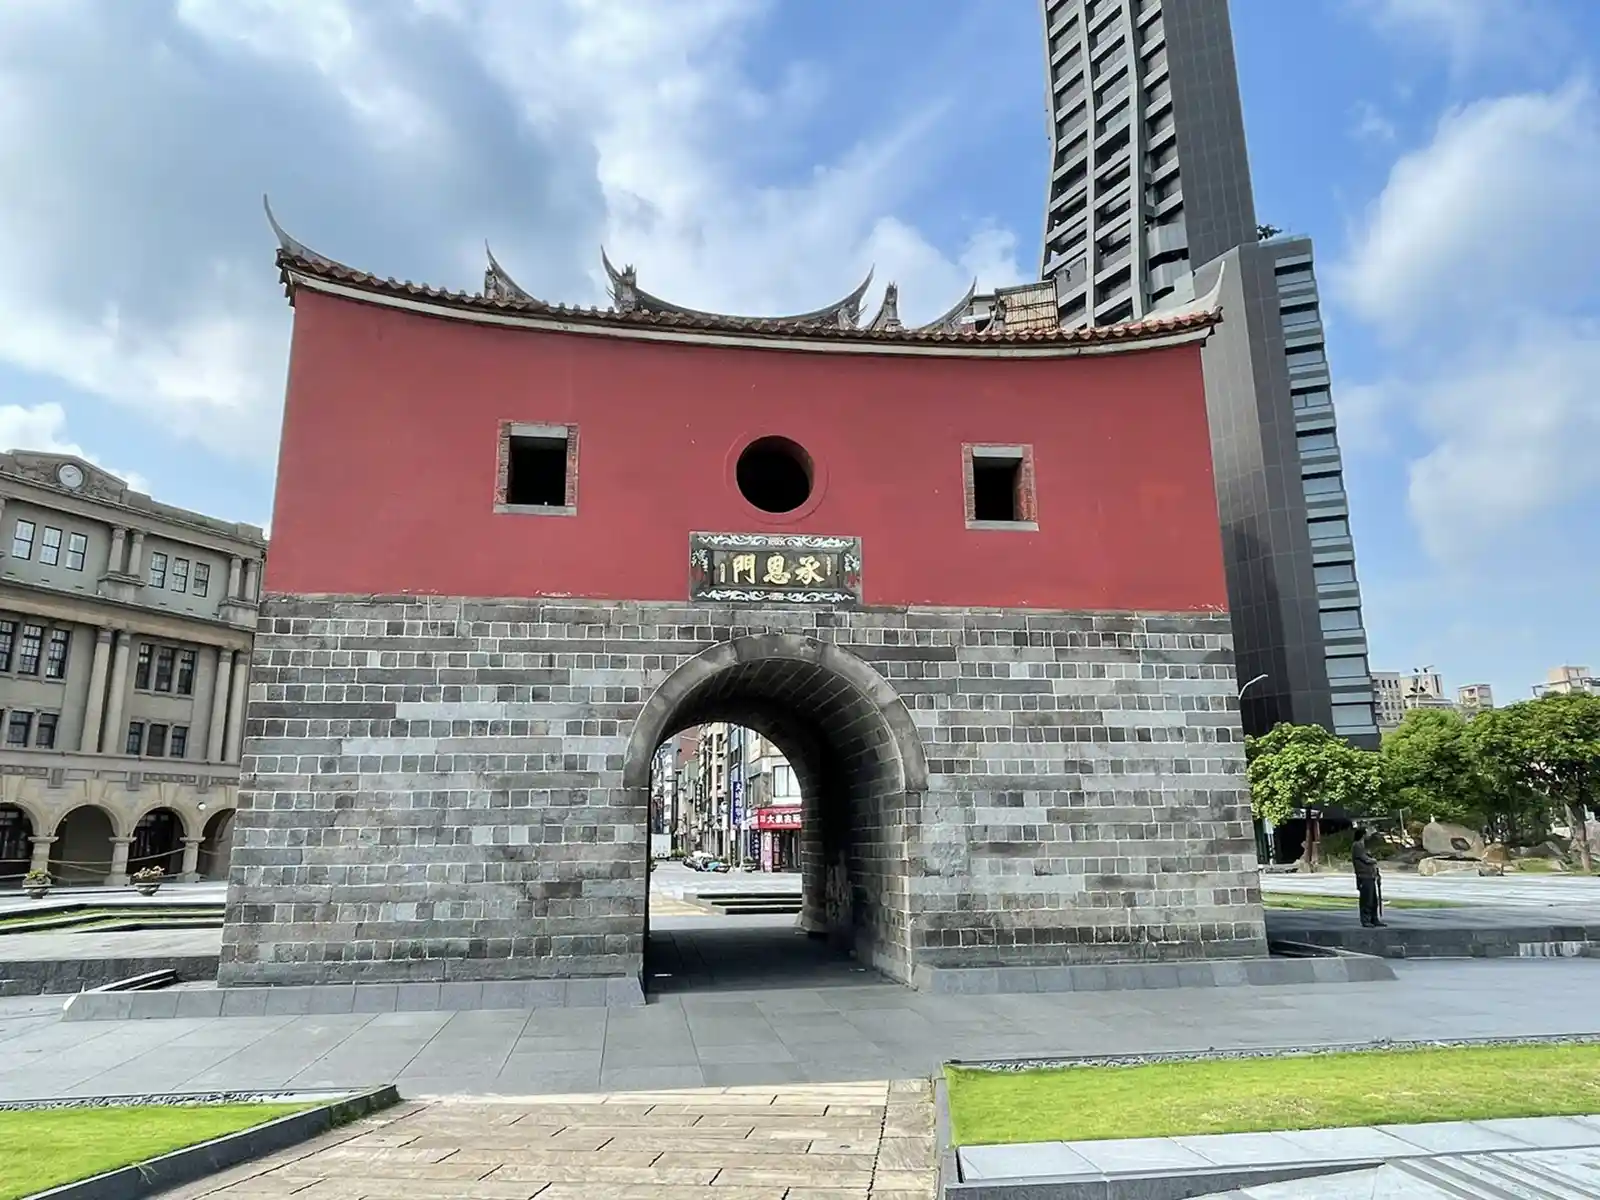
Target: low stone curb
(1321, 965)
(183, 1166)
(59, 976)
(1555, 940)
(332, 999)
(1151, 1185)
(1167, 1056)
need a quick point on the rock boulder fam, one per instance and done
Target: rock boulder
(1439, 838)
(1447, 866)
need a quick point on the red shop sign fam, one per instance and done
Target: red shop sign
(778, 818)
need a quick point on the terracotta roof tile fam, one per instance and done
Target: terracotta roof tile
(290, 264)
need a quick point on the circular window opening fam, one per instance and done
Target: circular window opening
(774, 474)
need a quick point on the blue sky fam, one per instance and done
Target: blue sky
(758, 155)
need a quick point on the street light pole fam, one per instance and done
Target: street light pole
(1251, 684)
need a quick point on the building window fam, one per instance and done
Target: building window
(18, 724)
(1334, 574)
(1348, 666)
(186, 661)
(1329, 530)
(135, 744)
(1352, 716)
(155, 745)
(77, 547)
(141, 669)
(165, 656)
(158, 570)
(1335, 620)
(999, 486)
(55, 659)
(1318, 441)
(179, 742)
(44, 731)
(50, 546)
(8, 637)
(538, 467)
(22, 540)
(1323, 485)
(180, 574)
(29, 651)
(1302, 359)
(202, 578)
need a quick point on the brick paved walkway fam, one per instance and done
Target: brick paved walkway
(852, 1141)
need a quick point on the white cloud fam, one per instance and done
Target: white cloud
(1494, 215)
(1466, 32)
(1478, 260)
(1371, 125)
(43, 428)
(398, 136)
(1514, 434)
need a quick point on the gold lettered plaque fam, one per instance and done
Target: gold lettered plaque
(775, 568)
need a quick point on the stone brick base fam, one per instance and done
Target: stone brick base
(457, 790)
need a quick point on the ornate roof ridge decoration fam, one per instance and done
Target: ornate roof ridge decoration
(888, 315)
(628, 297)
(497, 281)
(951, 321)
(505, 302)
(291, 247)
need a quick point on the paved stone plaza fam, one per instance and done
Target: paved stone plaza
(771, 1036)
(834, 1142)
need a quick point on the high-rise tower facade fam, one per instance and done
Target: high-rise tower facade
(1148, 167)
(1150, 189)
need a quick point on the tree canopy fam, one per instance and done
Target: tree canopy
(1304, 766)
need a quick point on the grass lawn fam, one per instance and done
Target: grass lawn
(45, 1148)
(1255, 1095)
(1311, 902)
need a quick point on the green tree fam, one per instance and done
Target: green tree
(1432, 768)
(1299, 766)
(1550, 749)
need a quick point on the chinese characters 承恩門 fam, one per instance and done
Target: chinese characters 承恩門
(774, 569)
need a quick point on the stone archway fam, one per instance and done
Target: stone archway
(83, 850)
(16, 844)
(859, 758)
(157, 842)
(216, 846)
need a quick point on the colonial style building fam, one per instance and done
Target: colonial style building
(125, 636)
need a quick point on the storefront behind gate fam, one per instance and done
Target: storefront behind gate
(780, 838)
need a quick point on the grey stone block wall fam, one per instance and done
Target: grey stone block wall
(457, 789)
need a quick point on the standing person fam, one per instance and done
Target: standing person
(1366, 868)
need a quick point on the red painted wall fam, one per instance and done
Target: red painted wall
(387, 473)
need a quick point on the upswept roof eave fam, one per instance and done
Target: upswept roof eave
(296, 271)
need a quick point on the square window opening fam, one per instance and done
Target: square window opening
(997, 488)
(536, 470)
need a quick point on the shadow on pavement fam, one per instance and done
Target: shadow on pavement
(720, 954)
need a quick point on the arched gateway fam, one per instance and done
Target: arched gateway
(858, 757)
(968, 576)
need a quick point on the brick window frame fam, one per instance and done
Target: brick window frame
(1027, 495)
(512, 429)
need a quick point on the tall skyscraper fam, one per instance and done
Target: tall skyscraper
(1150, 204)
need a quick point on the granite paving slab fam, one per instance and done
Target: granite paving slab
(808, 1142)
(1465, 1146)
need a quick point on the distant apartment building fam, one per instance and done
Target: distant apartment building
(1150, 204)
(774, 792)
(736, 797)
(1568, 680)
(1474, 697)
(125, 636)
(1397, 693)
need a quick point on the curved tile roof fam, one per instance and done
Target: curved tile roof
(298, 264)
